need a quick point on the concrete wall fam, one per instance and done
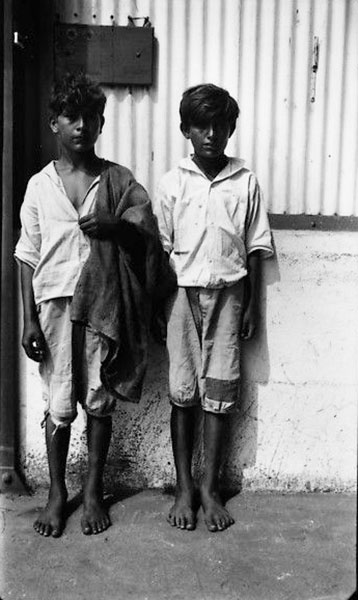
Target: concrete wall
(296, 428)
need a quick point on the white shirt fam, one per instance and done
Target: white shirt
(210, 227)
(51, 240)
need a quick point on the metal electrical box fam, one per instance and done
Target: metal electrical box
(111, 55)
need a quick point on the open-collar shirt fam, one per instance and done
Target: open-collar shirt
(51, 241)
(209, 227)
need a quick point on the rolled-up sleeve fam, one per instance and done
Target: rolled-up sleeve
(258, 233)
(28, 247)
(163, 206)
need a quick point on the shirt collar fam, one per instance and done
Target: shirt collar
(233, 166)
(50, 170)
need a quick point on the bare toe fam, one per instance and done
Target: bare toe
(171, 519)
(86, 527)
(56, 532)
(95, 518)
(182, 513)
(217, 517)
(51, 520)
(211, 527)
(47, 529)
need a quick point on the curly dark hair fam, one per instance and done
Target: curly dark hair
(205, 103)
(75, 94)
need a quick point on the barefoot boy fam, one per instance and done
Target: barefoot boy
(88, 253)
(214, 226)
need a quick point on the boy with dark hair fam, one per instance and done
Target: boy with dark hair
(215, 229)
(90, 260)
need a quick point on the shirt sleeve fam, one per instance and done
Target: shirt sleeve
(258, 233)
(28, 247)
(163, 207)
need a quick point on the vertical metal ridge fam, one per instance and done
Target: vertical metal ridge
(325, 108)
(204, 40)
(348, 161)
(194, 37)
(310, 80)
(341, 108)
(274, 108)
(170, 67)
(292, 41)
(239, 77)
(222, 29)
(187, 48)
(256, 86)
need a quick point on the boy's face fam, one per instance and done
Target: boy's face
(209, 139)
(77, 132)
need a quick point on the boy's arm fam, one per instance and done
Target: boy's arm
(258, 246)
(250, 318)
(33, 340)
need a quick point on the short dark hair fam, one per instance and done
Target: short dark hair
(76, 93)
(205, 103)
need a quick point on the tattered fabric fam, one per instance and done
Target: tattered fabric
(121, 280)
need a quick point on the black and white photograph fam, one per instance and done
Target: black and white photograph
(179, 299)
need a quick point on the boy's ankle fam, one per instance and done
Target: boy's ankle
(185, 488)
(58, 492)
(209, 488)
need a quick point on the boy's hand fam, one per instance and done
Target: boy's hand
(249, 322)
(99, 225)
(33, 341)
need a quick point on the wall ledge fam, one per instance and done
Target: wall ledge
(313, 222)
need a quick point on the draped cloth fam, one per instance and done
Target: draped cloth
(121, 281)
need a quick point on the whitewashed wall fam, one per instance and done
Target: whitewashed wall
(297, 424)
(305, 153)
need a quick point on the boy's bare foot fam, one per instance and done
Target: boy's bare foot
(182, 513)
(217, 518)
(51, 520)
(95, 517)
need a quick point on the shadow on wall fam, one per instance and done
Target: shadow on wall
(141, 454)
(241, 448)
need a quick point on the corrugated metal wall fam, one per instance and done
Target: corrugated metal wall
(291, 64)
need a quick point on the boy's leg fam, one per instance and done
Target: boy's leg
(55, 372)
(221, 369)
(99, 405)
(95, 517)
(184, 365)
(182, 513)
(51, 519)
(217, 518)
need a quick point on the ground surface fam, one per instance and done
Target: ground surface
(282, 547)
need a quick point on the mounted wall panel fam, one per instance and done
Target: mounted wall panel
(291, 64)
(112, 55)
